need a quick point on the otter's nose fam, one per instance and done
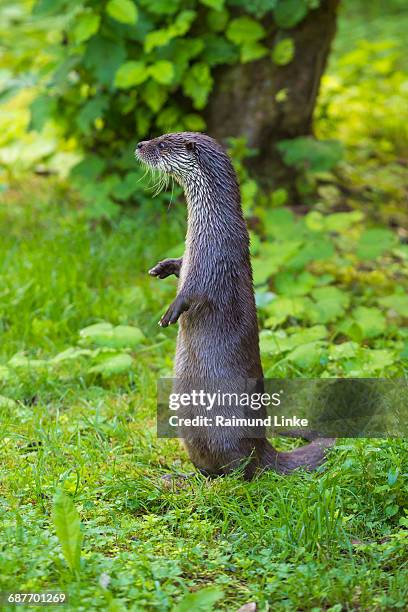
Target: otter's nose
(141, 144)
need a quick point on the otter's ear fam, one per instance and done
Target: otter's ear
(190, 145)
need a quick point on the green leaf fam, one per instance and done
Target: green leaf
(119, 364)
(154, 95)
(90, 111)
(276, 342)
(198, 83)
(123, 11)
(289, 13)
(159, 38)
(290, 284)
(339, 222)
(42, 109)
(68, 528)
(345, 350)
(378, 359)
(104, 334)
(370, 320)
(194, 123)
(89, 168)
(86, 26)
(397, 302)
(311, 154)
(127, 186)
(103, 57)
(284, 307)
(7, 402)
(330, 303)
(217, 20)
(130, 74)
(218, 5)
(252, 51)
(200, 601)
(392, 476)
(244, 30)
(283, 52)
(162, 72)
(218, 50)
(374, 242)
(306, 355)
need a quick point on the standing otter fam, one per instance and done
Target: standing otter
(218, 332)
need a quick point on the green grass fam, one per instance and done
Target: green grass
(335, 540)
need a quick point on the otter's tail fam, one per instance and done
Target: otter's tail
(308, 457)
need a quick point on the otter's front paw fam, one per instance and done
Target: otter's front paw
(175, 309)
(166, 268)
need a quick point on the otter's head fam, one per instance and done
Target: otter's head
(186, 156)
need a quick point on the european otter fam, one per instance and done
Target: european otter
(215, 304)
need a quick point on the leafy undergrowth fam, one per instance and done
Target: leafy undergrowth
(80, 356)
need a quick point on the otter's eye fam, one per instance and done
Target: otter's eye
(161, 145)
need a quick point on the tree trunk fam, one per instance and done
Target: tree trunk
(245, 101)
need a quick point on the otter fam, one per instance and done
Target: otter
(215, 303)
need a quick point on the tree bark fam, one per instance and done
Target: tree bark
(244, 100)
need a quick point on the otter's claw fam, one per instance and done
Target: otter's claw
(174, 311)
(166, 268)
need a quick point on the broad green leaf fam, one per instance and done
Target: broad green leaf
(42, 110)
(345, 350)
(119, 364)
(124, 11)
(217, 20)
(288, 13)
(339, 222)
(154, 95)
(127, 186)
(284, 307)
(7, 402)
(197, 84)
(130, 74)
(103, 57)
(157, 38)
(378, 359)
(19, 360)
(194, 123)
(370, 320)
(104, 334)
(89, 168)
(329, 304)
(182, 23)
(289, 284)
(276, 342)
(252, 51)
(68, 528)
(72, 353)
(283, 52)
(392, 476)
(281, 224)
(374, 242)
(161, 7)
(397, 302)
(307, 355)
(311, 154)
(90, 112)
(162, 72)
(316, 250)
(218, 50)
(86, 26)
(244, 30)
(218, 5)
(203, 600)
